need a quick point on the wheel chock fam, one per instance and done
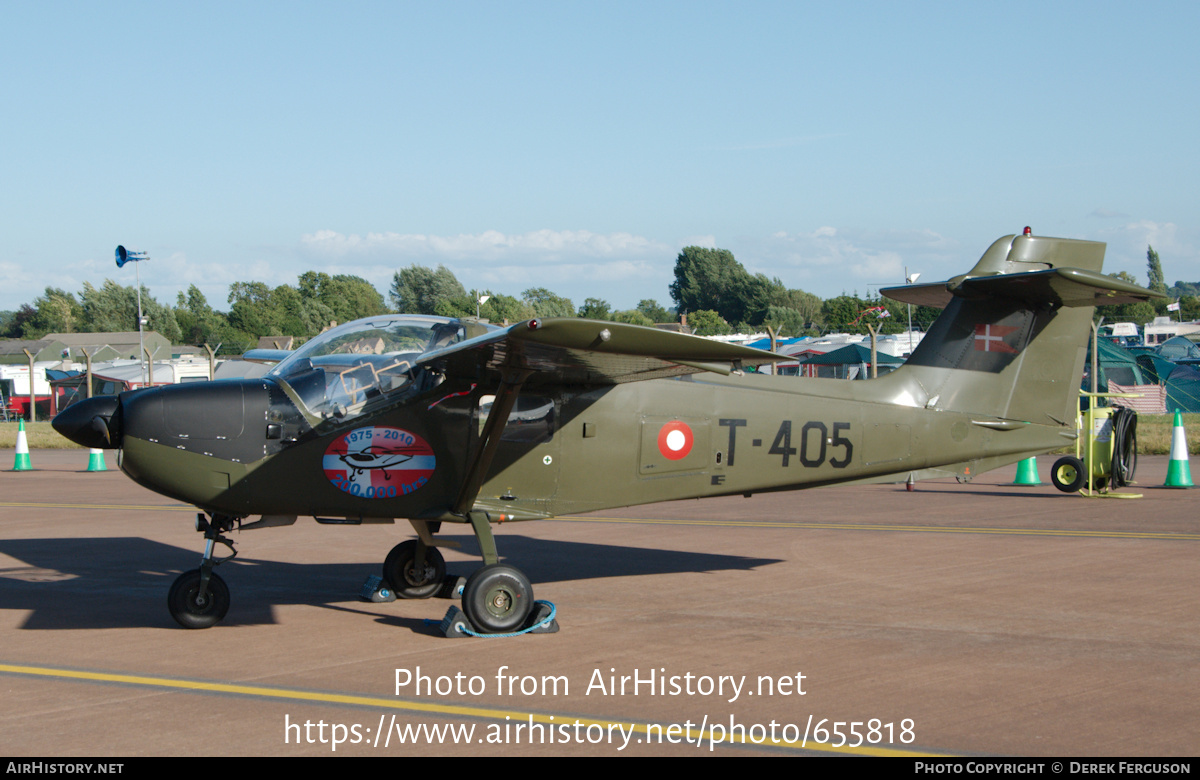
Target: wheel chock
(540, 621)
(376, 591)
(542, 610)
(452, 587)
(455, 624)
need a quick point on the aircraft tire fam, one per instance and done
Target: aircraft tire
(181, 600)
(1068, 474)
(497, 599)
(399, 573)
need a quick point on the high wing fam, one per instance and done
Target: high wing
(576, 352)
(570, 350)
(1054, 287)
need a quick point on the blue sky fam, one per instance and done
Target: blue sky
(578, 146)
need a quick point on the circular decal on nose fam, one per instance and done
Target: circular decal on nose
(378, 462)
(675, 440)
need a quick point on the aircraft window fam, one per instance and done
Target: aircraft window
(531, 420)
(345, 371)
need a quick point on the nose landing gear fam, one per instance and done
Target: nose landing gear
(199, 598)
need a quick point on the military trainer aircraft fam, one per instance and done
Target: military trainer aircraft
(435, 420)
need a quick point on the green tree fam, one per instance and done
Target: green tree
(346, 297)
(1184, 289)
(57, 312)
(633, 317)
(708, 279)
(15, 327)
(250, 309)
(595, 309)
(1189, 307)
(1154, 271)
(457, 306)
(807, 304)
(707, 322)
(1138, 313)
(198, 322)
(505, 308)
(922, 316)
(839, 312)
(114, 308)
(786, 321)
(713, 279)
(419, 290)
(496, 309)
(653, 312)
(259, 310)
(546, 304)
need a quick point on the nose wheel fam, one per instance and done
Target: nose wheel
(200, 598)
(194, 606)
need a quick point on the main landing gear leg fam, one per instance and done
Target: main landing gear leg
(200, 598)
(497, 598)
(415, 569)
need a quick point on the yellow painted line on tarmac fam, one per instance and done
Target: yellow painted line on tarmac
(139, 507)
(872, 527)
(695, 736)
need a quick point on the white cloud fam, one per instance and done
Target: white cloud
(574, 263)
(538, 246)
(1178, 249)
(706, 241)
(830, 260)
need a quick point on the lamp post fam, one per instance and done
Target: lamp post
(124, 256)
(910, 279)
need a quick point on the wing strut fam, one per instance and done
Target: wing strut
(506, 397)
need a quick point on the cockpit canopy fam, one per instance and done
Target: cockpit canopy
(360, 365)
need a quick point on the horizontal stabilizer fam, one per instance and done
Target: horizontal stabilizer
(1053, 287)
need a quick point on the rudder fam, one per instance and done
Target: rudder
(1012, 339)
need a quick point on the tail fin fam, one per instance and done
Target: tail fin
(1012, 339)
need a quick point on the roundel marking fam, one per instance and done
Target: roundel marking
(378, 462)
(675, 440)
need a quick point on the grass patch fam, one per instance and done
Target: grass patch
(1154, 433)
(39, 435)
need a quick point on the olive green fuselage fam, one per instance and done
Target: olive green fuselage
(599, 448)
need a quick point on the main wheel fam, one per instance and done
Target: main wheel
(1067, 474)
(188, 609)
(497, 599)
(400, 571)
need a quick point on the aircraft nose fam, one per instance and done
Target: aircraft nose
(94, 423)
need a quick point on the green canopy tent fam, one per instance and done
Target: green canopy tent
(852, 361)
